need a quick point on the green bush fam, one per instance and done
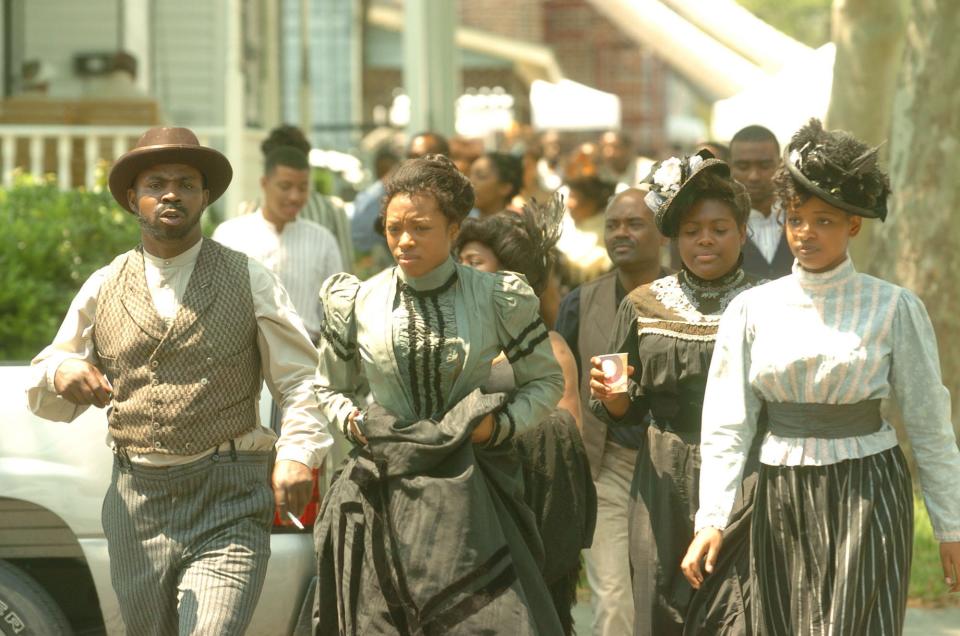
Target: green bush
(52, 240)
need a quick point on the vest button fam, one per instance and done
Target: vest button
(209, 360)
(157, 444)
(154, 363)
(155, 381)
(156, 425)
(204, 381)
(215, 457)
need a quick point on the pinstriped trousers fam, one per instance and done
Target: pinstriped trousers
(831, 547)
(189, 544)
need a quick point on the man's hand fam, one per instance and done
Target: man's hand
(481, 434)
(704, 548)
(950, 558)
(80, 382)
(292, 487)
(617, 404)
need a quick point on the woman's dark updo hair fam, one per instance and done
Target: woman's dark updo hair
(522, 242)
(836, 162)
(285, 135)
(509, 170)
(434, 175)
(709, 185)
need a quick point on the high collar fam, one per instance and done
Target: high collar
(732, 278)
(818, 280)
(436, 279)
(188, 257)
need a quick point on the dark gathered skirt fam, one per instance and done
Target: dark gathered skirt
(664, 498)
(831, 547)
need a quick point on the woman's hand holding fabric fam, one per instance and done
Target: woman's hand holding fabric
(481, 434)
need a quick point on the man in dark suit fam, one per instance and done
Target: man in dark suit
(754, 158)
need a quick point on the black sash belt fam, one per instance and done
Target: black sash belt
(825, 421)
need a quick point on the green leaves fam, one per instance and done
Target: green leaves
(50, 243)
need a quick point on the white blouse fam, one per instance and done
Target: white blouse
(836, 337)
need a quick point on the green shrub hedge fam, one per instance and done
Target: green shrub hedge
(51, 241)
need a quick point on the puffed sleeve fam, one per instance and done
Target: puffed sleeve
(338, 371)
(925, 408)
(525, 341)
(730, 412)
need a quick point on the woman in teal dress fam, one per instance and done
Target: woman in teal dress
(425, 530)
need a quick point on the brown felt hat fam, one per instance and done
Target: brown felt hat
(169, 145)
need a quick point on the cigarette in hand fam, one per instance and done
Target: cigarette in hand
(293, 518)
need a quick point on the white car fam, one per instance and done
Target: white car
(54, 569)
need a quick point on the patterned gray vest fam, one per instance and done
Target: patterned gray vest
(184, 388)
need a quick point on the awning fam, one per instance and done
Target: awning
(569, 105)
(776, 103)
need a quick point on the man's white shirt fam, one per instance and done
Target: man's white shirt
(765, 231)
(302, 255)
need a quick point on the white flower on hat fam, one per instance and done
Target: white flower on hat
(667, 176)
(796, 158)
(693, 162)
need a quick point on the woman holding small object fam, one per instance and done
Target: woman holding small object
(425, 531)
(667, 329)
(818, 351)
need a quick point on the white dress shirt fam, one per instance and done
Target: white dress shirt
(288, 359)
(303, 255)
(837, 337)
(765, 231)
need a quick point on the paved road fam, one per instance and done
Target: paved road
(920, 622)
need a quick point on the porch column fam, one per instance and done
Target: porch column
(233, 108)
(431, 64)
(137, 39)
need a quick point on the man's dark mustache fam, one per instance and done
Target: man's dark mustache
(171, 207)
(617, 244)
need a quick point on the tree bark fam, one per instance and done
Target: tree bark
(869, 38)
(919, 245)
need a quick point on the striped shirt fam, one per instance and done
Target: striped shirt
(837, 337)
(302, 255)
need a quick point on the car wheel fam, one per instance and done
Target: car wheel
(25, 608)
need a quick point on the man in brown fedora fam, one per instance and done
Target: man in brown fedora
(175, 336)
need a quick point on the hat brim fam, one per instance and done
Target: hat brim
(880, 212)
(212, 165)
(668, 216)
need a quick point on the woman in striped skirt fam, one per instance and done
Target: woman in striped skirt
(818, 351)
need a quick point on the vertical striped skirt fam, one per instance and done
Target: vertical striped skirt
(831, 547)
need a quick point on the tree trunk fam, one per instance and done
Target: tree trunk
(869, 38)
(919, 245)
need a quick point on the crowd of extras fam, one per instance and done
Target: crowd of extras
(522, 373)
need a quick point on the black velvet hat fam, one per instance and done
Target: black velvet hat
(838, 168)
(672, 190)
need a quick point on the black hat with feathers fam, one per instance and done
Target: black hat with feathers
(840, 169)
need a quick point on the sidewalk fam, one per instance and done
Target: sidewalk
(920, 622)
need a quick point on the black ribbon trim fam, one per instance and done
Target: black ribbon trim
(529, 348)
(443, 623)
(516, 342)
(458, 586)
(341, 347)
(427, 293)
(412, 362)
(438, 352)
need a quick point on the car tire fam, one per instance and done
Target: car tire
(25, 607)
